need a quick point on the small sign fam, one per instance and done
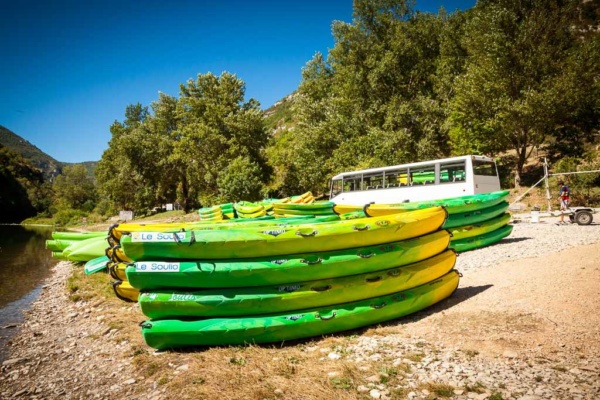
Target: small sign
(169, 207)
(125, 215)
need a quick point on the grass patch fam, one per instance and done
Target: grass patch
(496, 396)
(343, 383)
(477, 387)
(415, 357)
(471, 353)
(440, 389)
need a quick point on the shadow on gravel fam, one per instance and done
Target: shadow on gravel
(461, 294)
(514, 240)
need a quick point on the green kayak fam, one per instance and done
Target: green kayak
(77, 235)
(484, 240)
(172, 333)
(319, 205)
(467, 231)
(95, 265)
(118, 230)
(453, 205)
(474, 217)
(85, 250)
(59, 244)
(294, 296)
(149, 246)
(278, 269)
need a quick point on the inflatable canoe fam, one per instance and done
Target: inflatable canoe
(283, 298)
(453, 205)
(142, 246)
(479, 241)
(172, 333)
(468, 231)
(278, 270)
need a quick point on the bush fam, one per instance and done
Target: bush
(69, 217)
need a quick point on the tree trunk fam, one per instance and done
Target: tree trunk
(521, 158)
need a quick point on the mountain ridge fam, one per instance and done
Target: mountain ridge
(49, 166)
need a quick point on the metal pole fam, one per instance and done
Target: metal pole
(547, 185)
(571, 173)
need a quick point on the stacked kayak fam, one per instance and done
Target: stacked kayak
(474, 221)
(290, 209)
(77, 246)
(271, 282)
(217, 213)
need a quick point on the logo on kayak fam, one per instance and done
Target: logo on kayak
(382, 223)
(279, 262)
(182, 297)
(157, 236)
(294, 317)
(157, 266)
(275, 232)
(289, 289)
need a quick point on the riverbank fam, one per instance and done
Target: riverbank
(522, 325)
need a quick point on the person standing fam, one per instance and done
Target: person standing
(563, 197)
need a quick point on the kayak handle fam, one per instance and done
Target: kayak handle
(378, 306)
(371, 254)
(328, 317)
(373, 279)
(306, 232)
(361, 227)
(320, 288)
(317, 261)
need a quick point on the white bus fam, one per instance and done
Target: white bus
(427, 180)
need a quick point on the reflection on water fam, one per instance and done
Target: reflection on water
(24, 264)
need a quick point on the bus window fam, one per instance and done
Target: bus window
(423, 175)
(486, 168)
(396, 178)
(373, 181)
(352, 183)
(336, 187)
(452, 172)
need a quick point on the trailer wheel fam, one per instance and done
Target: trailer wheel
(584, 217)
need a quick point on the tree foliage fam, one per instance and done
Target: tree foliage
(24, 192)
(74, 189)
(522, 79)
(501, 79)
(186, 149)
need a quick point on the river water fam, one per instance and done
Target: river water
(24, 264)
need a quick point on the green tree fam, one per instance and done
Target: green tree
(74, 189)
(520, 69)
(373, 102)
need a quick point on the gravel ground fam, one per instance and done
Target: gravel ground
(531, 240)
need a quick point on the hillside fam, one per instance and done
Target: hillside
(49, 166)
(280, 115)
(30, 152)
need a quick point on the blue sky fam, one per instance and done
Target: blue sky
(70, 67)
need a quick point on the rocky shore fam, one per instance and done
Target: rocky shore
(524, 324)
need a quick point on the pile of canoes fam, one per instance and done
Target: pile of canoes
(314, 268)
(303, 204)
(273, 280)
(473, 221)
(77, 246)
